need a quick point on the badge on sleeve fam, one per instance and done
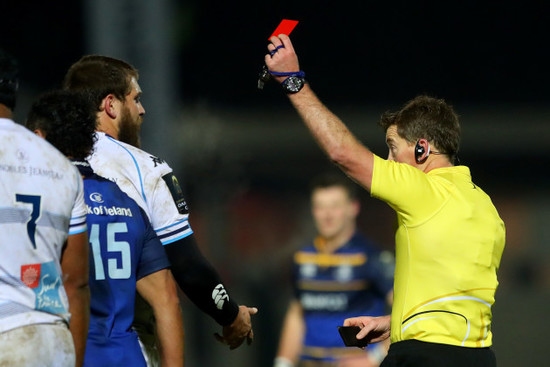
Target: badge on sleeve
(177, 192)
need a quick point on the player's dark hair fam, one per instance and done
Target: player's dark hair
(427, 118)
(9, 79)
(67, 119)
(100, 76)
(331, 179)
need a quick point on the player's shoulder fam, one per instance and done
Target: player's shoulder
(374, 252)
(17, 135)
(30, 148)
(307, 248)
(109, 148)
(305, 254)
(111, 200)
(108, 189)
(362, 243)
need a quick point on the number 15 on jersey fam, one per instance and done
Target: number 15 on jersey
(117, 268)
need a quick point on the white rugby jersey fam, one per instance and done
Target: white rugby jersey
(41, 200)
(146, 179)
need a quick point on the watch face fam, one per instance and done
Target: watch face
(293, 84)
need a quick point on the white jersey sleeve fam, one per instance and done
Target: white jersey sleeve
(146, 179)
(77, 223)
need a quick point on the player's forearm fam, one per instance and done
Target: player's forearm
(159, 289)
(79, 307)
(290, 344)
(333, 136)
(170, 333)
(200, 281)
(206, 290)
(74, 265)
(292, 335)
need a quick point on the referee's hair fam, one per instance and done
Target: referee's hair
(68, 121)
(331, 179)
(425, 117)
(9, 79)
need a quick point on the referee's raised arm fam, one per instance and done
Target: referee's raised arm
(332, 135)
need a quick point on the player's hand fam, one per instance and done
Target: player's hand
(241, 329)
(373, 329)
(281, 57)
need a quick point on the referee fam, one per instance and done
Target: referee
(449, 237)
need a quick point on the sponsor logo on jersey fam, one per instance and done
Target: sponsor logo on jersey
(31, 171)
(96, 197)
(308, 270)
(157, 160)
(22, 155)
(30, 275)
(108, 210)
(10, 168)
(343, 273)
(219, 295)
(45, 281)
(327, 302)
(37, 171)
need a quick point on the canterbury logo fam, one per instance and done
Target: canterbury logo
(219, 295)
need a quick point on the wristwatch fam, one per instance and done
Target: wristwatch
(293, 84)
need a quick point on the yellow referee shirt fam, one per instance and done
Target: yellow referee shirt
(449, 242)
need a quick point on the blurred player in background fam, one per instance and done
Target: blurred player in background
(339, 275)
(125, 251)
(151, 183)
(44, 246)
(449, 238)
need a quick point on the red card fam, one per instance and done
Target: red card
(285, 27)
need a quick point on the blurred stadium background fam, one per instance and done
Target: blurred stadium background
(245, 159)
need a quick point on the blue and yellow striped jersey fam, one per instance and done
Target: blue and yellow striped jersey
(354, 280)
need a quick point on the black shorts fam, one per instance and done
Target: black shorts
(414, 353)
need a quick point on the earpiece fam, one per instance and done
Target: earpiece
(419, 152)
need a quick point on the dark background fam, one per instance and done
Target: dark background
(353, 51)
(246, 160)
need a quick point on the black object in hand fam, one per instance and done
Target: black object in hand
(264, 77)
(348, 334)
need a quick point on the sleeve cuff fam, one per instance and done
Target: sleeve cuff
(228, 314)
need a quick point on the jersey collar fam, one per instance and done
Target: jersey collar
(83, 167)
